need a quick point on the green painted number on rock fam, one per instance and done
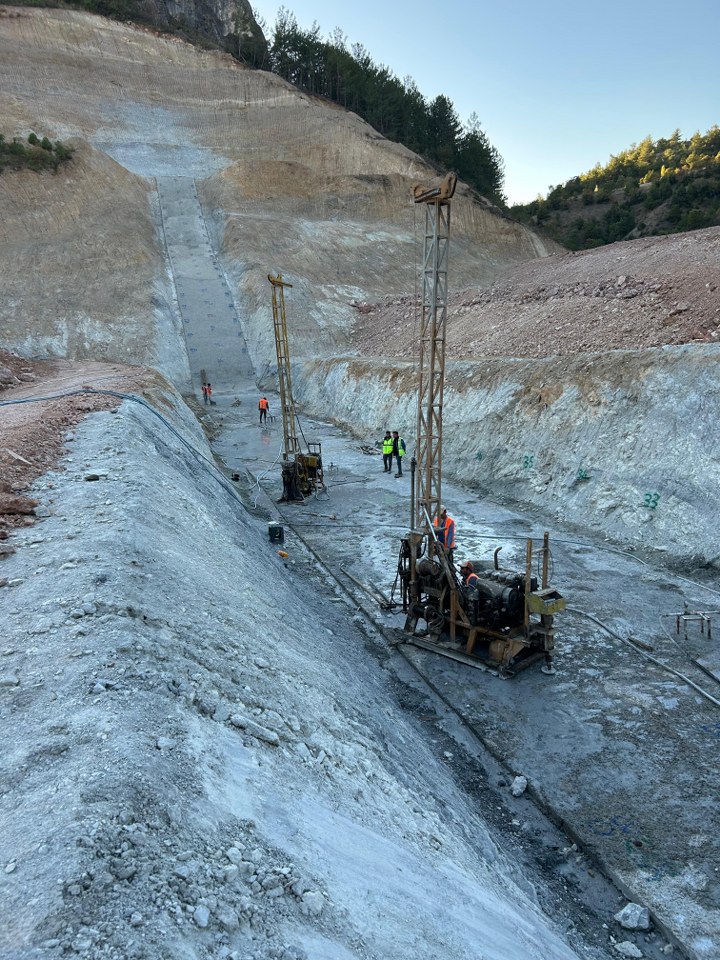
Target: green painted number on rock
(478, 456)
(528, 461)
(652, 500)
(582, 474)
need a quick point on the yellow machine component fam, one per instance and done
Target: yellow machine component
(545, 602)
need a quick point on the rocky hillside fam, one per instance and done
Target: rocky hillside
(582, 384)
(652, 292)
(289, 183)
(84, 275)
(230, 23)
(227, 24)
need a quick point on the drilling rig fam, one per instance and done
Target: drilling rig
(505, 618)
(302, 471)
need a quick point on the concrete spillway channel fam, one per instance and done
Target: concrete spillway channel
(213, 329)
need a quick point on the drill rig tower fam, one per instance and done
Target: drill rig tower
(489, 619)
(302, 472)
(428, 477)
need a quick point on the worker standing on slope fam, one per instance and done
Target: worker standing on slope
(398, 451)
(445, 532)
(263, 407)
(387, 447)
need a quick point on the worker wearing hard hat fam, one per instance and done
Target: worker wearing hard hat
(467, 572)
(445, 532)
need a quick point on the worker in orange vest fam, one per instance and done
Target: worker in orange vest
(263, 407)
(467, 572)
(445, 532)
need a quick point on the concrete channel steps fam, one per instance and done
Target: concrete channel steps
(214, 333)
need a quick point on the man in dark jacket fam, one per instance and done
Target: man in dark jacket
(398, 451)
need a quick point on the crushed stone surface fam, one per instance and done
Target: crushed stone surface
(650, 292)
(209, 765)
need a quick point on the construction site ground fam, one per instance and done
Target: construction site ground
(215, 753)
(204, 755)
(620, 753)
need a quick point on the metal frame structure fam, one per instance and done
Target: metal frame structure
(291, 444)
(426, 480)
(515, 629)
(302, 472)
(428, 477)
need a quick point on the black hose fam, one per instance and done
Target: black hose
(658, 663)
(85, 391)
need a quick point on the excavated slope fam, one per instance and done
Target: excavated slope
(295, 185)
(83, 276)
(582, 384)
(651, 292)
(299, 186)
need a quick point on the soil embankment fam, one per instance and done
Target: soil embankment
(654, 292)
(289, 183)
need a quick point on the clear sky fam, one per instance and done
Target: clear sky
(558, 85)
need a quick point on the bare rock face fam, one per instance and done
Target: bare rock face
(228, 22)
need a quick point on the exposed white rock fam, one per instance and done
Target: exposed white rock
(518, 786)
(628, 949)
(634, 917)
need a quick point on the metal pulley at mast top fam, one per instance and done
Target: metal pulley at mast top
(428, 474)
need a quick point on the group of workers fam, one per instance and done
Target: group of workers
(393, 445)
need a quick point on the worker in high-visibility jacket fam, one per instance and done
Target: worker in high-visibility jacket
(398, 451)
(387, 446)
(467, 572)
(445, 532)
(263, 407)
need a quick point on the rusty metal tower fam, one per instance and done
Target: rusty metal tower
(302, 472)
(428, 476)
(291, 444)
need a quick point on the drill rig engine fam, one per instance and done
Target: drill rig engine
(504, 619)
